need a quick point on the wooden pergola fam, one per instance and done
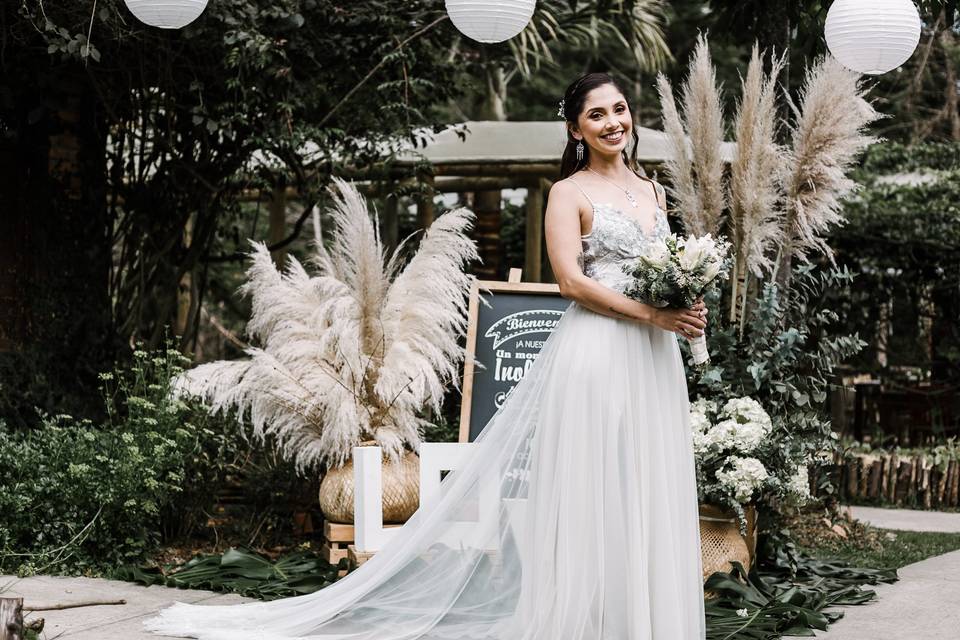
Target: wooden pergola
(498, 155)
(491, 156)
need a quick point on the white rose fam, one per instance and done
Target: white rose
(658, 255)
(692, 253)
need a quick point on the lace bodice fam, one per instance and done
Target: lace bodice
(616, 239)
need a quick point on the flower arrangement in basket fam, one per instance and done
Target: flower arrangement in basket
(737, 459)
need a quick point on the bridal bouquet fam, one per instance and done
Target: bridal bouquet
(675, 271)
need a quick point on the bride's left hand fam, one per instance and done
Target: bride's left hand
(700, 308)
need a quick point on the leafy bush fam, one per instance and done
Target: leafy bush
(784, 360)
(79, 497)
(903, 240)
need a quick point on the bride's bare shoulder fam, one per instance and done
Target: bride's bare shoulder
(563, 187)
(564, 196)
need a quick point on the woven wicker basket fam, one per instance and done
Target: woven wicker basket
(721, 542)
(401, 491)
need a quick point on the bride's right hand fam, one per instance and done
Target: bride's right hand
(685, 322)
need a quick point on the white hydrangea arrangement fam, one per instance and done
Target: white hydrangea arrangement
(743, 476)
(732, 441)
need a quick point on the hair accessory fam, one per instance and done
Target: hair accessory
(560, 110)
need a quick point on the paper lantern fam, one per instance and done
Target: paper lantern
(490, 20)
(872, 36)
(167, 14)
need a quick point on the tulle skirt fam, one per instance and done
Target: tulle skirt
(575, 519)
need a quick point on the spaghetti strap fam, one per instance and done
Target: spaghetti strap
(581, 190)
(657, 190)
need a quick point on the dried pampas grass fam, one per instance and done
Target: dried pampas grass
(355, 352)
(757, 171)
(782, 200)
(696, 139)
(827, 137)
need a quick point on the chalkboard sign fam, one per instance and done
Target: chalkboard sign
(505, 337)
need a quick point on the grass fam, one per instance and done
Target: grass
(898, 549)
(825, 536)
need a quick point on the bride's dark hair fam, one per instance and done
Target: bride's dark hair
(573, 99)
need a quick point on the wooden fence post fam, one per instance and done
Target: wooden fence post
(11, 618)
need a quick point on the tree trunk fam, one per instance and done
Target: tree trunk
(487, 203)
(55, 320)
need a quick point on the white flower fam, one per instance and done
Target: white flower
(743, 476)
(745, 410)
(711, 271)
(742, 612)
(658, 255)
(730, 434)
(700, 424)
(693, 252)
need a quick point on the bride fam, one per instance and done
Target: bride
(576, 516)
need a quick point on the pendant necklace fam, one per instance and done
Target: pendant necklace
(632, 200)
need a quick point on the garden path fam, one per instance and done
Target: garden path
(922, 604)
(104, 622)
(908, 519)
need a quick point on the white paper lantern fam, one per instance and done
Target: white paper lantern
(167, 14)
(490, 20)
(872, 36)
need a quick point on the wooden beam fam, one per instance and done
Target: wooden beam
(546, 274)
(497, 168)
(390, 219)
(533, 254)
(278, 224)
(460, 184)
(425, 209)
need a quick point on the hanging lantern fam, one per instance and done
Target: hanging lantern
(490, 20)
(167, 14)
(872, 36)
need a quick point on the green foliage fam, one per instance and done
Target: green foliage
(244, 572)
(903, 240)
(79, 497)
(76, 497)
(251, 95)
(784, 360)
(785, 598)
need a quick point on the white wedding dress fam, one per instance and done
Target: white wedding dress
(593, 534)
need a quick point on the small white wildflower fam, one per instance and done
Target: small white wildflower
(742, 612)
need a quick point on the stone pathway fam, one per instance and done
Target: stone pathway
(908, 519)
(922, 604)
(104, 622)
